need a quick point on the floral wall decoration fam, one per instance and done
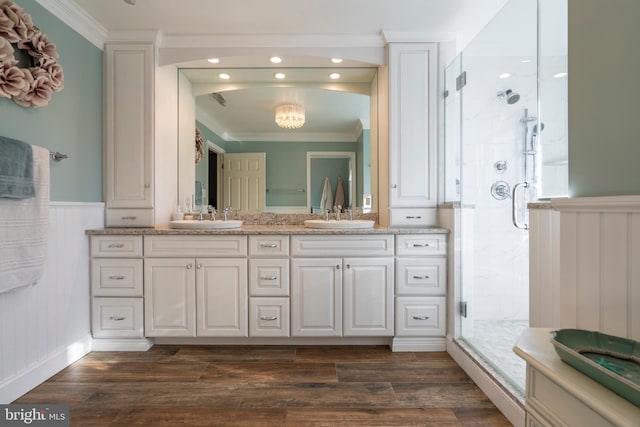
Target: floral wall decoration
(29, 71)
(199, 146)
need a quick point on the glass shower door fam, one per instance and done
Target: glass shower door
(499, 104)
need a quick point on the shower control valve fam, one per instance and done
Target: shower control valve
(500, 190)
(500, 166)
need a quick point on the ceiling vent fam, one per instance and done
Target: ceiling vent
(218, 97)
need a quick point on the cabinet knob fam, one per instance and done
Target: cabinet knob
(421, 317)
(348, 266)
(337, 266)
(269, 318)
(116, 318)
(394, 186)
(147, 186)
(189, 266)
(199, 266)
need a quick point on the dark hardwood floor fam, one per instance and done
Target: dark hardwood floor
(268, 386)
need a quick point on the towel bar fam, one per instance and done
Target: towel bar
(57, 156)
(283, 190)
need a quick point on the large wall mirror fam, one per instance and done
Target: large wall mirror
(234, 111)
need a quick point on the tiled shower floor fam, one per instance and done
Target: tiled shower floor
(494, 341)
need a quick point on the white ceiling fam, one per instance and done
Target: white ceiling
(258, 28)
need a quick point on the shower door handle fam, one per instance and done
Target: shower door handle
(514, 207)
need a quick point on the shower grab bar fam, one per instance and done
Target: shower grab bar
(514, 208)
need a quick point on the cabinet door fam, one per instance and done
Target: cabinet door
(170, 297)
(222, 297)
(129, 88)
(412, 124)
(316, 296)
(368, 296)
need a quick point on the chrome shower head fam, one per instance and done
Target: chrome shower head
(539, 127)
(510, 96)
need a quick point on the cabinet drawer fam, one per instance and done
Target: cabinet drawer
(268, 245)
(269, 317)
(421, 276)
(116, 277)
(195, 246)
(421, 244)
(412, 217)
(360, 245)
(117, 317)
(269, 277)
(423, 316)
(116, 246)
(130, 218)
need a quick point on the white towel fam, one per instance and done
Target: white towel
(326, 202)
(339, 193)
(24, 230)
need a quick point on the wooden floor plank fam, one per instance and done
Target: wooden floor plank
(268, 386)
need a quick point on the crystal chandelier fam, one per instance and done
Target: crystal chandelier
(290, 116)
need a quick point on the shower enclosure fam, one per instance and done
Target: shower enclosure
(497, 160)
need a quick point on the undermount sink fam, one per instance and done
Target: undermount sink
(341, 225)
(195, 224)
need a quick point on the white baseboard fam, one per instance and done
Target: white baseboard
(511, 409)
(418, 344)
(141, 344)
(314, 341)
(20, 384)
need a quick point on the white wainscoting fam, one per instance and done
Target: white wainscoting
(46, 327)
(585, 265)
(599, 286)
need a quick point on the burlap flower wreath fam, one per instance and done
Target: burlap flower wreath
(31, 84)
(199, 146)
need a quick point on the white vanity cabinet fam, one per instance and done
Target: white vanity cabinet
(129, 134)
(342, 285)
(269, 305)
(412, 133)
(117, 291)
(204, 294)
(421, 280)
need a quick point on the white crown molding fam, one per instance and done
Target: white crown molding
(629, 203)
(149, 36)
(291, 137)
(77, 19)
(272, 40)
(415, 37)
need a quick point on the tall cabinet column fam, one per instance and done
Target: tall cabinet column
(412, 133)
(129, 134)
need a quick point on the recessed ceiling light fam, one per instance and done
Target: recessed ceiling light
(275, 59)
(224, 76)
(336, 60)
(559, 75)
(280, 75)
(334, 76)
(505, 75)
(213, 60)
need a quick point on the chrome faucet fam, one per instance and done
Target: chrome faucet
(326, 214)
(226, 211)
(214, 212)
(350, 212)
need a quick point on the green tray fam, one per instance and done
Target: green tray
(611, 361)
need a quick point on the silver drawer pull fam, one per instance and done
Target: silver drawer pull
(116, 277)
(420, 277)
(269, 318)
(268, 245)
(116, 318)
(268, 277)
(128, 217)
(413, 217)
(420, 245)
(421, 317)
(116, 245)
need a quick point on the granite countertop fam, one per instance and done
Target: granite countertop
(265, 229)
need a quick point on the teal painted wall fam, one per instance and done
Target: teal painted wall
(604, 94)
(72, 122)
